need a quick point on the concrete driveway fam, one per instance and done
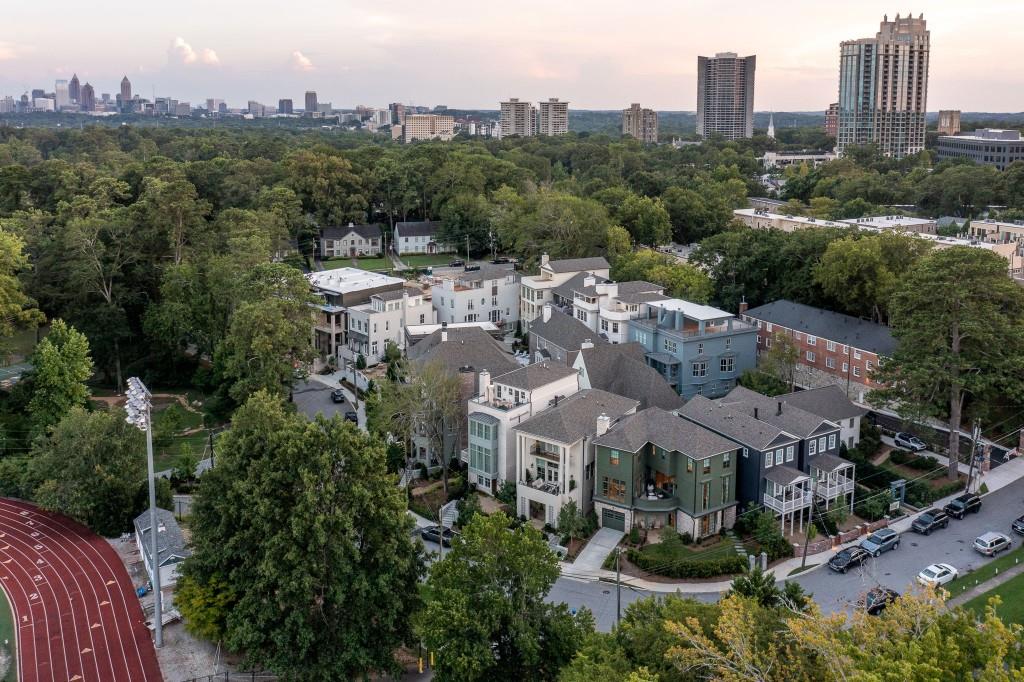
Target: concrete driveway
(596, 551)
(312, 398)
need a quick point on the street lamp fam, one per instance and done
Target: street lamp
(138, 405)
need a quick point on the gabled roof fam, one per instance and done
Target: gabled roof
(339, 231)
(534, 376)
(577, 264)
(466, 347)
(576, 416)
(829, 463)
(789, 418)
(419, 228)
(844, 329)
(830, 402)
(785, 475)
(732, 424)
(170, 543)
(666, 430)
(398, 294)
(564, 331)
(621, 369)
(574, 284)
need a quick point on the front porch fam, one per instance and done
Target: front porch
(787, 492)
(833, 480)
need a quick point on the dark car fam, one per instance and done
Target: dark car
(910, 442)
(500, 260)
(878, 598)
(472, 268)
(434, 534)
(458, 263)
(959, 507)
(1018, 525)
(929, 520)
(338, 396)
(851, 557)
(351, 416)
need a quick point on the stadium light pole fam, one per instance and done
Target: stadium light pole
(139, 408)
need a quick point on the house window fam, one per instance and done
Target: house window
(689, 465)
(728, 344)
(831, 440)
(856, 354)
(810, 356)
(812, 447)
(867, 365)
(700, 369)
(812, 340)
(705, 495)
(725, 489)
(581, 315)
(700, 349)
(746, 453)
(707, 467)
(615, 327)
(767, 343)
(770, 327)
(421, 319)
(670, 346)
(846, 367)
(789, 453)
(604, 325)
(614, 458)
(856, 371)
(821, 444)
(613, 489)
(830, 363)
(769, 459)
(831, 346)
(727, 365)
(726, 460)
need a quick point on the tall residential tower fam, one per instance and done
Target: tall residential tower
(883, 88)
(641, 124)
(518, 118)
(553, 118)
(725, 95)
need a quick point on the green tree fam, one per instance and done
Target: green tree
(571, 522)
(959, 325)
(781, 359)
(304, 530)
(17, 310)
(681, 280)
(486, 616)
(60, 367)
(327, 187)
(619, 243)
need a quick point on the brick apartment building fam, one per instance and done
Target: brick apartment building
(834, 348)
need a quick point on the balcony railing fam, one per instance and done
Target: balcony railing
(550, 488)
(827, 491)
(789, 504)
(537, 451)
(646, 503)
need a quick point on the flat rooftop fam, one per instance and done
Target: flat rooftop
(694, 311)
(810, 222)
(888, 222)
(348, 280)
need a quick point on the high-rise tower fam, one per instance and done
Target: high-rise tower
(75, 89)
(725, 95)
(88, 101)
(639, 123)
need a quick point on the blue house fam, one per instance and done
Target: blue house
(700, 350)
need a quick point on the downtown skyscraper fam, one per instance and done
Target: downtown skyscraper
(725, 95)
(883, 88)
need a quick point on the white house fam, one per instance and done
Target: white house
(170, 545)
(385, 318)
(350, 240)
(490, 294)
(536, 290)
(604, 306)
(418, 237)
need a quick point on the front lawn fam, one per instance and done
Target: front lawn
(176, 430)
(671, 558)
(423, 260)
(1012, 595)
(374, 264)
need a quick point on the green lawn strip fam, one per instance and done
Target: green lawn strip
(1012, 595)
(426, 259)
(801, 569)
(373, 264)
(676, 551)
(7, 634)
(988, 571)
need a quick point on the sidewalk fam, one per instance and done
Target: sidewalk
(998, 478)
(986, 586)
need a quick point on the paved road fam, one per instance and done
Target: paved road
(834, 591)
(312, 397)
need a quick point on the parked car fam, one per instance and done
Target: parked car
(471, 268)
(458, 263)
(959, 507)
(929, 520)
(351, 416)
(337, 396)
(991, 543)
(878, 598)
(882, 540)
(434, 534)
(910, 442)
(1018, 525)
(851, 557)
(937, 575)
(500, 260)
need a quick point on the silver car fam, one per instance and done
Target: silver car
(881, 540)
(992, 543)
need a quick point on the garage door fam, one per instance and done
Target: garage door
(615, 520)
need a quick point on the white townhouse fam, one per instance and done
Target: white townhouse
(490, 294)
(385, 318)
(536, 290)
(418, 237)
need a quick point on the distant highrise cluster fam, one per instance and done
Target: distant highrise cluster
(725, 95)
(641, 124)
(525, 120)
(883, 88)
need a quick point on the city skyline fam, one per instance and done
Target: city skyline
(608, 57)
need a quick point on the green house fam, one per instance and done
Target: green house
(657, 470)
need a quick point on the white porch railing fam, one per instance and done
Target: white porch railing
(826, 491)
(786, 505)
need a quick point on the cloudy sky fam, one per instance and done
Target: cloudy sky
(599, 54)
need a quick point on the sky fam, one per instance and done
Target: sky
(597, 54)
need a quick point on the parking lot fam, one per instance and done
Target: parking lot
(312, 398)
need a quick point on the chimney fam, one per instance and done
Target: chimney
(755, 414)
(603, 422)
(485, 382)
(587, 343)
(744, 306)
(546, 314)
(544, 260)
(589, 281)
(778, 412)
(444, 332)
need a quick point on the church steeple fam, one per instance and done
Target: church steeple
(771, 125)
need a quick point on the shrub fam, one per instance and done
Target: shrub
(507, 494)
(686, 568)
(634, 536)
(873, 506)
(983, 488)
(687, 539)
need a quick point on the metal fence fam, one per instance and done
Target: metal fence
(235, 677)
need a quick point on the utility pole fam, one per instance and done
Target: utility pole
(975, 435)
(618, 587)
(467, 248)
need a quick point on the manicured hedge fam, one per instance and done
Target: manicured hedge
(705, 568)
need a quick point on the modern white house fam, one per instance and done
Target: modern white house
(502, 403)
(605, 306)
(385, 318)
(418, 237)
(350, 240)
(536, 290)
(170, 545)
(490, 294)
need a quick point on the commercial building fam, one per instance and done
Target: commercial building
(539, 289)
(427, 127)
(641, 124)
(996, 232)
(311, 103)
(397, 111)
(949, 122)
(75, 89)
(350, 240)
(896, 223)
(418, 237)
(883, 88)
(772, 160)
(553, 118)
(384, 319)
(832, 120)
(489, 294)
(285, 106)
(88, 101)
(517, 118)
(698, 349)
(985, 146)
(725, 95)
(60, 93)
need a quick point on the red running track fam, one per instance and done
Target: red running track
(76, 614)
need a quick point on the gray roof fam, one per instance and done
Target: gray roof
(574, 264)
(733, 424)
(466, 347)
(666, 430)
(534, 376)
(621, 369)
(642, 297)
(419, 228)
(789, 418)
(170, 543)
(829, 463)
(576, 416)
(398, 293)
(339, 231)
(485, 418)
(784, 475)
(486, 272)
(844, 329)
(830, 402)
(564, 331)
(575, 283)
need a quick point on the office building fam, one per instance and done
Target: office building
(60, 92)
(126, 89)
(311, 104)
(554, 117)
(518, 118)
(75, 89)
(284, 106)
(986, 146)
(428, 127)
(725, 95)
(88, 102)
(397, 113)
(832, 120)
(883, 88)
(42, 104)
(215, 106)
(641, 124)
(949, 122)
(8, 105)
(256, 110)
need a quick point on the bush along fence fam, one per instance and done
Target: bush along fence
(688, 568)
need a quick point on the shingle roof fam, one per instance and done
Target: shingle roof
(732, 424)
(784, 475)
(792, 419)
(621, 369)
(642, 297)
(830, 402)
(397, 294)
(847, 330)
(535, 375)
(419, 228)
(666, 430)
(339, 231)
(169, 542)
(574, 264)
(575, 283)
(576, 416)
(829, 463)
(466, 347)
(564, 331)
